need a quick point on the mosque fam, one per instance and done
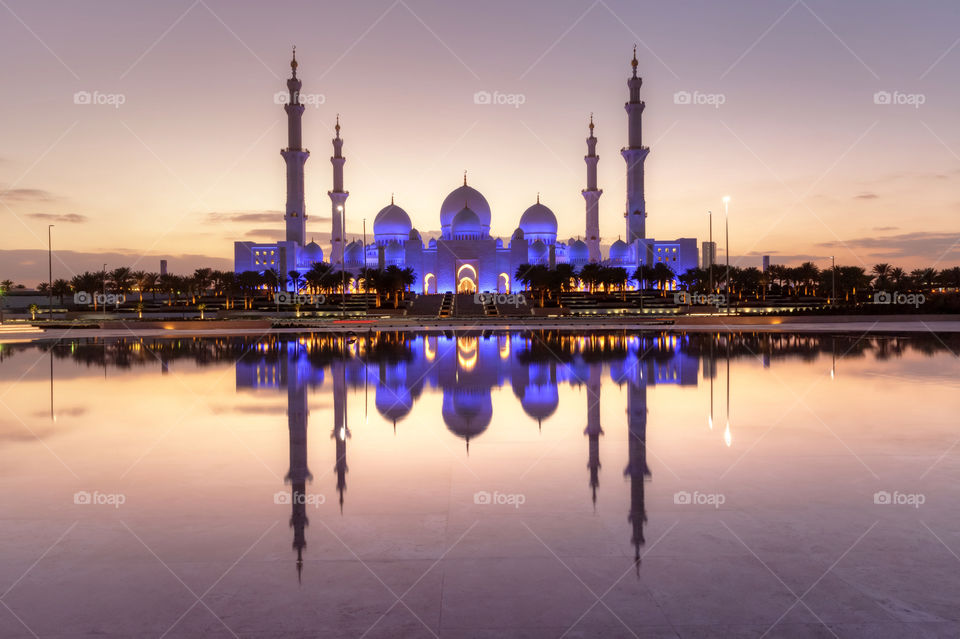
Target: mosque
(465, 258)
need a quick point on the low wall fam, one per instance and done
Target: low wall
(190, 325)
(771, 320)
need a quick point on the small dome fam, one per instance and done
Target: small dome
(312, 253)
(538, 253)
(353, 253)
(618, 251)
(391, 223)
(539, 220)
(414, 234)
(394, 253)
(432, 243)
(499, 243)
(517, 235)
(578, 251)
(460, 198)
(466, 222)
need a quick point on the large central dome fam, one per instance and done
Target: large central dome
(464, 197)
(391, 223)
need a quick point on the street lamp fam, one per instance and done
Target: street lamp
(726, 227)
(49, 272)
(833, 275)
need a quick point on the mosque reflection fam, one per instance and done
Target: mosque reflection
(465, 368)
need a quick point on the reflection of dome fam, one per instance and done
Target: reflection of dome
(540, 397)
(538, 253)
(353, 253)
(578, 252)
(464, 197)
(312, 253)
(467, 412)
(391, 223)
(618, 251)
(394, 403)
(465, 225)
(539, 222)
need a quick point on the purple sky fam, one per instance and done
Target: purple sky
(190, 160)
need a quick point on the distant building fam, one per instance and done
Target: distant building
(766, 263)
(465, 258)
(708, 254)
(163, 267)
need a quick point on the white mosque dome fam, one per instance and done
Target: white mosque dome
(312, 253)
(464, 197)
(539, 221)
(353, 253)
(466, 223)
(394, 253)
(392, 223)
(618, 251)
(538, 253)
(578, 251)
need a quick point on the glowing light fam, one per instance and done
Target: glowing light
(727, 437)
(710, 422)
(342, 433)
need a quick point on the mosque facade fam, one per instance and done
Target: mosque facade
(466, 257)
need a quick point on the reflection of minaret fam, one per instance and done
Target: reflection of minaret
(593, 430)
(637, 469)
(340, 430)
(299, 473)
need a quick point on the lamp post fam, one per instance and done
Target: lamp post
(49, 272)
(833, 275)
(104, 291)
(726, 227)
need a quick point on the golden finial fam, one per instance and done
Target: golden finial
(464, 178)
(293, 62)
(337, 127)
(391, 199)
(538, 197)
(591, 123)
(634, 63)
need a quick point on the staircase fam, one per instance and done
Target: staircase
(446, 305)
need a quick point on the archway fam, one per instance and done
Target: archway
(429, 284)
(467, 279)
(503, 283)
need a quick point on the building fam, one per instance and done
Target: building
(708, 254)
(465, 258)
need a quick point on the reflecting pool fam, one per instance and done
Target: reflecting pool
(481, 484)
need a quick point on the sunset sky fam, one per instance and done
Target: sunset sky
(189, 162)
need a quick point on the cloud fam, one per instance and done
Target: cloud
(269, 235)
(69, 218)
(247, 217)
(27, 195)
(866, 196)
(923, 246)
(886, 228)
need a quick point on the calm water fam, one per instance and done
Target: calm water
(481, 485)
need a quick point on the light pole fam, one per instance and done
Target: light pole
(49, 272)
(833, 275)
(104, 291)
(726, 227)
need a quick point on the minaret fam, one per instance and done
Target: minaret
(593, 429)
(635, 154)
(295, 156)
(299, 473)
(338, 198)
(592, 195)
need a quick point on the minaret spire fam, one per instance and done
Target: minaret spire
(635, 154)
(592, 196)
(338, 199)
(295, 156)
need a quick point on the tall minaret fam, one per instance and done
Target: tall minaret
(635, 154)
(592, 195)
(295, 156)
(338, 198)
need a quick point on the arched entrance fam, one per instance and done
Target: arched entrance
(467, 280)
(503, 283)
(429, 284)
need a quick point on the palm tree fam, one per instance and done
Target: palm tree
(61, 288)
(590, 275)
(297, 280)
(881, 274)
(121, 278)
(662, 274)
